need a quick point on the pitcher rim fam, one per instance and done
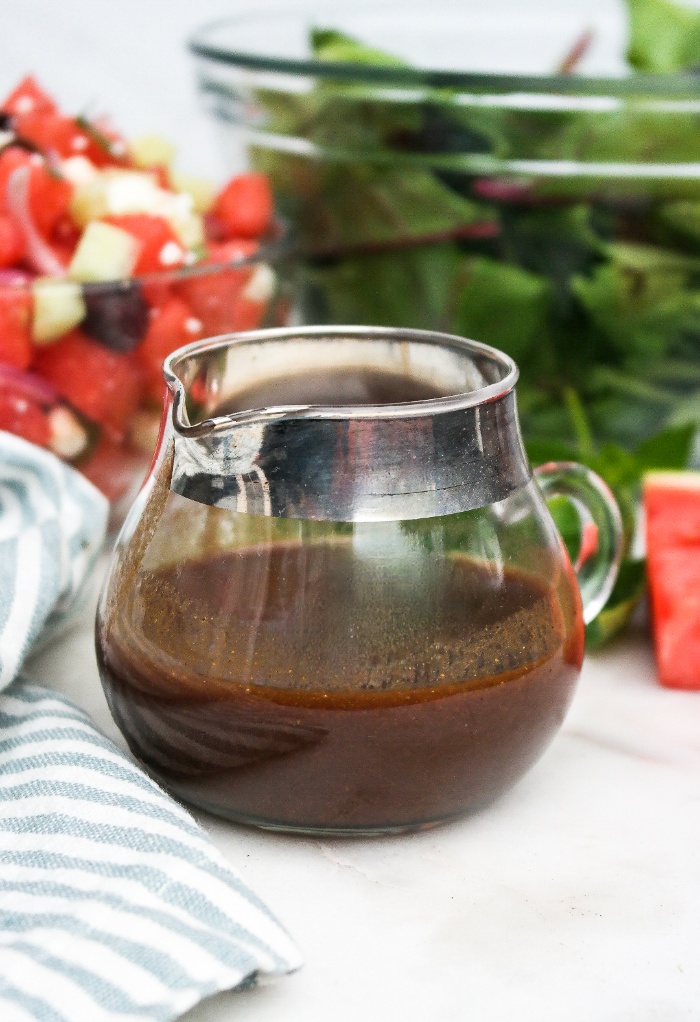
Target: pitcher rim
(399, 410)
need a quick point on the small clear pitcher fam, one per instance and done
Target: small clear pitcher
(340, 604)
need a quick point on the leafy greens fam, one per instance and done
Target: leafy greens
(407, 219)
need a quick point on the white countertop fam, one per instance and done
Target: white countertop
(576, 898)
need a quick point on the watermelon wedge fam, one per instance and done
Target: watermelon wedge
(672, 507)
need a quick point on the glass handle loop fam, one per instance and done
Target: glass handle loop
(598, 560)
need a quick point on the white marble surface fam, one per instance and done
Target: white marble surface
(573, 899)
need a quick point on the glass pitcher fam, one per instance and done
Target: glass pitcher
(340, 603)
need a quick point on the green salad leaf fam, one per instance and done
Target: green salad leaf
(664, 36)
(377, 204)
(683, 219)
(503, 304)
(330, 45)
(408, 288)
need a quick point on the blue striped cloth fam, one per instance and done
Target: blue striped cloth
(114, 905)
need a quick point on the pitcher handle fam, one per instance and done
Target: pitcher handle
(598, 560)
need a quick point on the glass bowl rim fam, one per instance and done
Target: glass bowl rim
(636, 85)
(272, 251)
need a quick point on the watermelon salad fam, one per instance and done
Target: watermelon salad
(110, 260)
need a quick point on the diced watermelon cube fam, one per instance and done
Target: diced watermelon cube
(160, 246)
(245, 206)
(172, 325)
(111, 467)
(672, 511)
(11, 242)
(105, 386)
(24, 418)
(49, 197)
(107, 147)
(15, 326)
(50, 132)
(216, 297)
(28, 97)
(64, 239)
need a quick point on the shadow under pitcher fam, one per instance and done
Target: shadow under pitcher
(340, 604)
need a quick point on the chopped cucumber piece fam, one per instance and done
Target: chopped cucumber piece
(58, 307)
(114, 192)
(104, 253)
(88, 201)
(201, 191)
(152, 151)
(188, 226)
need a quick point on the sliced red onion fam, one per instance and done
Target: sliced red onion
(480, 229)
(502, 189)
(576, 54)
(33, 387)
(15, 278)
(39, 254)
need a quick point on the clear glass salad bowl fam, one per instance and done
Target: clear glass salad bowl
(504, 174)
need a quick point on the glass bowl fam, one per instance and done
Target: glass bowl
(93, 390)
(470, 186)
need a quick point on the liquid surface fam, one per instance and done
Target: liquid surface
(355, 386)
(311, 687)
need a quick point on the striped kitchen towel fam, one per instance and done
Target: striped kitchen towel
(52, 524)
(114, 905)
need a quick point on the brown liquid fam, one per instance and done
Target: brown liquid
(313, 688)
(341, 386)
